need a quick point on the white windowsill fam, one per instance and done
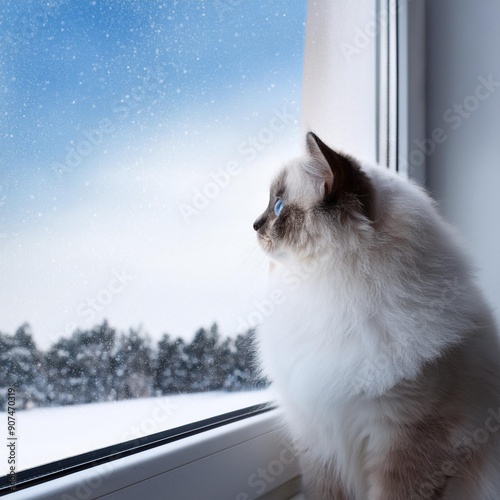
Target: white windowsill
(243, 460)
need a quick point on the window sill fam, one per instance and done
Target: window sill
(243, 460)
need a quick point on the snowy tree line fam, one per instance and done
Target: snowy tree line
(101, 364)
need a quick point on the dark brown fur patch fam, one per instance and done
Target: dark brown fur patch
(414, 464)
(422, 461)
(351, 186)
(321, 482)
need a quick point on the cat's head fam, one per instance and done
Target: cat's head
(319, 204)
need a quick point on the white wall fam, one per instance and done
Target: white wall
(463, 174)
(339, 92)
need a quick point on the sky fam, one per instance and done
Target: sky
(138, 140)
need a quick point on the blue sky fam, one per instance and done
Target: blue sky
(74, 63)
(113, 114)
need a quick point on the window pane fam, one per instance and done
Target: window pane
(137, 141)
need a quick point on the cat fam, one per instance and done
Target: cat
(383, 352)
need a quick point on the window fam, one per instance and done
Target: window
(137, 140)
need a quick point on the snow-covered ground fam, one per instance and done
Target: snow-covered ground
(49, 434)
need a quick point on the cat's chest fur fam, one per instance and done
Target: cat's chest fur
(316, 348)
(319, 342)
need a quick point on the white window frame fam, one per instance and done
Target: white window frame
(364, 80)
(411, 88)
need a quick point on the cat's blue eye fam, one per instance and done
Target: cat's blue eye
(278, 207)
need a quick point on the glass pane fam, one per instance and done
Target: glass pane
(137, 142)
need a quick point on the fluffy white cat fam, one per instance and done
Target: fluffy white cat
(383, 351)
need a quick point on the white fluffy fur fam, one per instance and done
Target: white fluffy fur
(366, 310)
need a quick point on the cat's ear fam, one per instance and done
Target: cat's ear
(340, 176)
(319, 167)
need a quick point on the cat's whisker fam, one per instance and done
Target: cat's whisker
(250, 258)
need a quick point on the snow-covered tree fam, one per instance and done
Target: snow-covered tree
(80, 368)
(207, 360)
(21, 368)
(101, 365)
(245, 374)
(133, 365)
(171, 368)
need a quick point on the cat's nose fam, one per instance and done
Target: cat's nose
(259, 223)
